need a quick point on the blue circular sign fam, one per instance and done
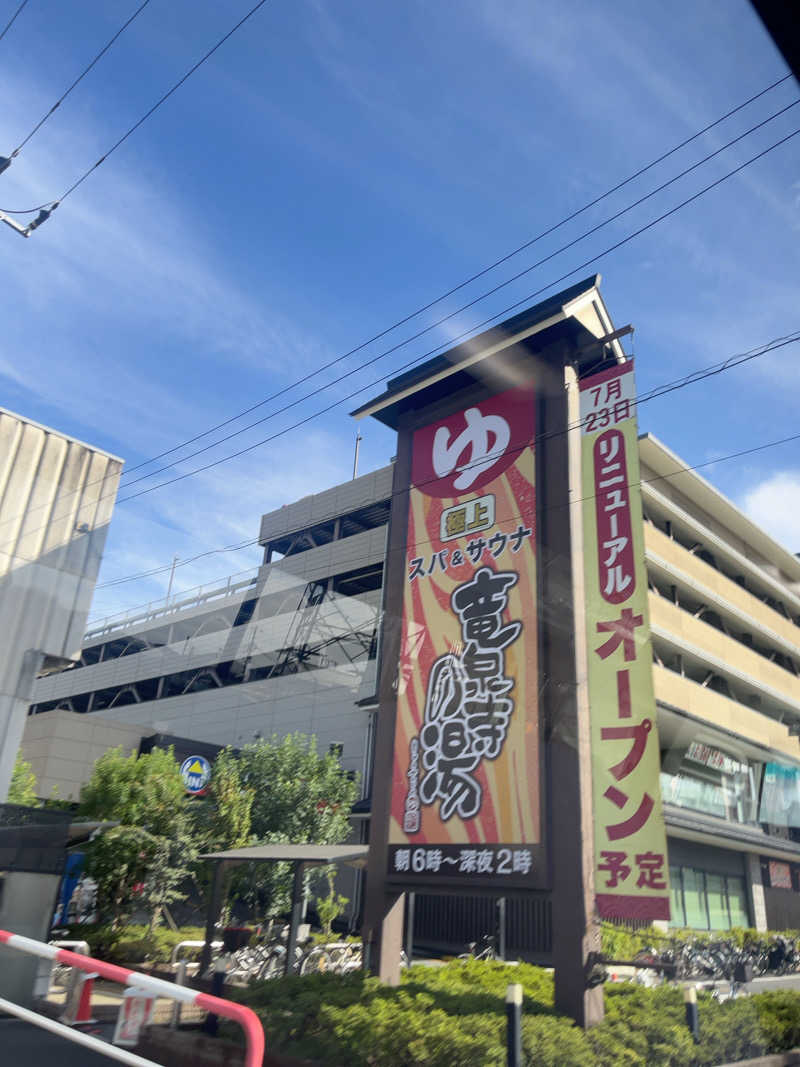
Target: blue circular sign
(196, 773)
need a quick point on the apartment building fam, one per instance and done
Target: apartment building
(725, 618)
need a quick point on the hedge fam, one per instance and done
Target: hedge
(132, 944)
(455, 1014)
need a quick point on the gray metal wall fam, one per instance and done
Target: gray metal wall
(56, 500)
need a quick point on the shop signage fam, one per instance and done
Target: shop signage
(631, 873)
(465, 792)
(712, 757)
(196, 774)
(780, 875)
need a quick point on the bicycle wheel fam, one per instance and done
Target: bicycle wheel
(316, 961)
(272, 965)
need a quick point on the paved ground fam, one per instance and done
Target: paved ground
(28, 1046)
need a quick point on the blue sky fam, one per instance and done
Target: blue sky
(337, 165)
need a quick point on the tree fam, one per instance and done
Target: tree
(222, 820)
(22, 789)
(145, 791)
(142, 862)
(223, 817)
(300, 797)
(330, 907)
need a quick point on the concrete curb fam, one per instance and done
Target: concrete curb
(776, 1059)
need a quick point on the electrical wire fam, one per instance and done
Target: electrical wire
(77, 82)
(12, 20)
(464, 307)
(468, 332)
(181, 563)
(689, 379)
(461, 285)
(580, 500)
(143, 119)
(500, 314)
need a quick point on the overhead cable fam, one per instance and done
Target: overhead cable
(464, 307)
(466, 333)
(12, 20)
(461, 285)
(679, 383)
(580, 500)
(498, 315)
(141, 121)
(77, 82)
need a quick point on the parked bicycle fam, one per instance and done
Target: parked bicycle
(485, 949)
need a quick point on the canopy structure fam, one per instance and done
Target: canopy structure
(301, 856)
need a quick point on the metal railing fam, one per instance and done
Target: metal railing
(175, 958)
(157, 987)
(158, 609)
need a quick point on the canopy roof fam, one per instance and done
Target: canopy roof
(355, 855)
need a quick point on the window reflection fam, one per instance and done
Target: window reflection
(708, 780)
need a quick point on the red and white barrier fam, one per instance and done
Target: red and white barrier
(238, 1013)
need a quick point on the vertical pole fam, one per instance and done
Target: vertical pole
(409, 928)
(692, 1017)
(382, 928)
(214, 908)
(172, 575)
(501, 927)
(211, 1023)
(180, 979)
(514, 1025)
(355, 457)
(565, 697)
(298, 895)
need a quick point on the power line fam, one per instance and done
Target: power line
(13, 19)
(474, 277)
(580, 500)
(181, 563)
(464, 307)
(77, 82)
(143, 119)
(679, 383)
(466, 333)
(500, 314)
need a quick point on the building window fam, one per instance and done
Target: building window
(708, 780)
(707, 900)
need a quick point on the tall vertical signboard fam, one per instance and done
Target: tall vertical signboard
(465, 802)
(631, 874)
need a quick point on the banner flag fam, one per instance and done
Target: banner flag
(631, 871)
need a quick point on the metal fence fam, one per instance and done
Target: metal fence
(450, 923)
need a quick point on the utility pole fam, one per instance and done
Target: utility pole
(355, 457)
(172, 575)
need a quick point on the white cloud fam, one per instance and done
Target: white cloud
(775, 505)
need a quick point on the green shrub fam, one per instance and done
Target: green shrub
(552, 1041)
(729, 1031)
(779, 1019)
(454, 1016)
(132, 944)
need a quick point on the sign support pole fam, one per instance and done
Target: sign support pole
(384, 908)
(565, 699)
